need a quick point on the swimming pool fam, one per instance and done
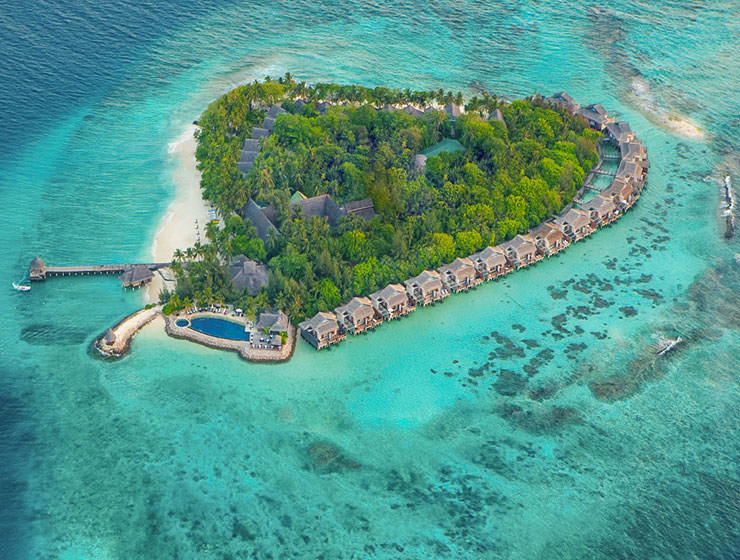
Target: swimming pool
(182, 322)
(220, 328)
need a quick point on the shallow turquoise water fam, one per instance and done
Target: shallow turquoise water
(527, 419)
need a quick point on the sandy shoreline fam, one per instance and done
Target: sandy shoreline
(176, 228)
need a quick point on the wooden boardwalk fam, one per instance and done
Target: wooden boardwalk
(131, 274)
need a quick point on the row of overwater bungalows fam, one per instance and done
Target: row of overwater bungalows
(549, 238)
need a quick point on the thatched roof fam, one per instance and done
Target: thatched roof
(619, 131)
(453, 110)
(322, 206)
(519, 246)
(356, 309)
(392, 295)
(362, 208)
(135, 276)
(574, 218)
(489, 257)
(273, 321)
(601, 204)
(427, 281)
(460, 265)
(259, 219)
(249, 274)
(320, 324)
(260, 132)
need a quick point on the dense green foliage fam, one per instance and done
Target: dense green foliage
(510, 177)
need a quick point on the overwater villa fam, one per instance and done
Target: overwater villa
(426, 288)
(575, 224)
(596, 116)
(322, 330)
(632, 172)
(520, 251)
(458, 275)
(634, 151)
(619, 132)
(621, 192)
(490, 263)
(548, 238)
(358, 315)
(602, 210)
(391, 302)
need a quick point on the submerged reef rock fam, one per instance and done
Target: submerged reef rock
(327, 458)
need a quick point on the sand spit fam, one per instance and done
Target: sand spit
(674, 122)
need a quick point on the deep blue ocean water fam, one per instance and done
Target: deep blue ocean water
(528, 419)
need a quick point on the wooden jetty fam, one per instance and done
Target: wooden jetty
(131, 275)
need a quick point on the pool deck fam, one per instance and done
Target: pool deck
(242, 347)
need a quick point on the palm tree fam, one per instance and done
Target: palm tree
(178, 255)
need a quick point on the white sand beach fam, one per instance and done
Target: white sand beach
(177, 226)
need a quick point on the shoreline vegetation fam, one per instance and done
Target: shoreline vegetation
(387, 200)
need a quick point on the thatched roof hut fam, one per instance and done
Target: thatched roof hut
(136, 276)
(248, 274)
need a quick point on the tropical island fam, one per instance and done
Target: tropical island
(341, 207)
(337, 194)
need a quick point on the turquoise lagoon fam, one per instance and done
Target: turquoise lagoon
(527, 419)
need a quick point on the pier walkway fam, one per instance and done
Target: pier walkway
(132, 275)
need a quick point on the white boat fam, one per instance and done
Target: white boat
(665, 345)
(21, 287)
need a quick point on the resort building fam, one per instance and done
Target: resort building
(276, 110)
(269, 330)
(413, 111)
(136, 276)
(619, 132)
(602, 210)
(520, 251)
(37, 270)
(248, 274)
(322, 330)
(632, 172)
(621, 192)
(324, 206)
(497, 115)
(564, 101)
(634, 151)
(258, 132)
(257, 216)
(596, 116)
(357, 315)
(490, 263)
(453, 110)
(458, 275)
(426, 288)
(548, 238)
(391, 302)
(574, 223)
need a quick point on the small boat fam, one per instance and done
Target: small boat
(665, 345)
(21, 287)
